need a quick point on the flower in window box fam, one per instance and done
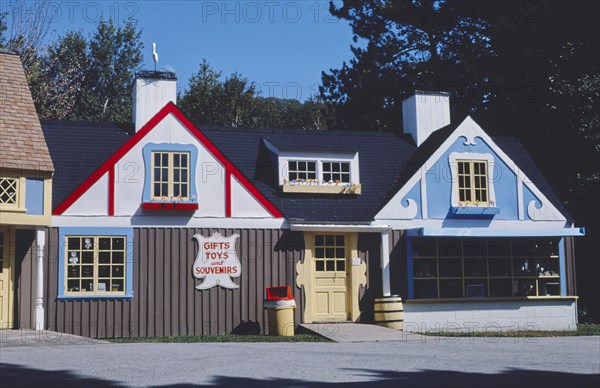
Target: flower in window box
(476, 202)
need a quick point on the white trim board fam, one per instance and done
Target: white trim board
(169, 221)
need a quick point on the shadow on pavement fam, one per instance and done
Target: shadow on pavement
(18, 376)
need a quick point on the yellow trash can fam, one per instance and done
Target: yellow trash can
(280, 307)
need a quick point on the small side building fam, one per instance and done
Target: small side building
(25, 200)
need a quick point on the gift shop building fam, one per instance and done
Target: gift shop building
(172, 228)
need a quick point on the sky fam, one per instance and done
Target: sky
(282, 46)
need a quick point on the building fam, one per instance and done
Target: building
(175, 229)
(25, 200)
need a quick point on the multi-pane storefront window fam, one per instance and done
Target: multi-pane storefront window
(485, 267)
(95, 265)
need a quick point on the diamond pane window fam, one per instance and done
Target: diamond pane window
(9, 191)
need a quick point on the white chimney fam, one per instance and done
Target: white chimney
(424, 113)
(152, 91)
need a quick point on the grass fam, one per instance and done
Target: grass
(583, 329)
(223, 338)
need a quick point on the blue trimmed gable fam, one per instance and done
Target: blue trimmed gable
(430, 192)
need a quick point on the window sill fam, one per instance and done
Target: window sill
(474, 210)
(12, 209)
(186, 206)
(321, 189)
(81, 297)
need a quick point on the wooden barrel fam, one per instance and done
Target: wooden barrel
(389, 312)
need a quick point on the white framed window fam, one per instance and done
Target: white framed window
(472, 179)
(170, 175)
(302, 170)
(338, 172)
(319, 172)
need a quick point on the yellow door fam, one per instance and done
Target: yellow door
(330, 277)
(6, 277)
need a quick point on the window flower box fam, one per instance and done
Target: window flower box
(475, 209)
(171, 204)
(315, 187)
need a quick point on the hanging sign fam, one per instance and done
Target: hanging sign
(217, 261)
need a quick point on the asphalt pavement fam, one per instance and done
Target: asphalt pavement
(428, 361)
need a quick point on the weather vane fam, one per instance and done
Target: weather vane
(154, 55)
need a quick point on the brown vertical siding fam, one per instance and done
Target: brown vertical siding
(165, 301)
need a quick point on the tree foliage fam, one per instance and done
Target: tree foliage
(401, 46)
(236, 102)
(89, 79)
(29, 26)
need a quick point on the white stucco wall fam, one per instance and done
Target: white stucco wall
(94, 202)
(555, 314)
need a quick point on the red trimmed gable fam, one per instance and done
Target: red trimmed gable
(169, 109)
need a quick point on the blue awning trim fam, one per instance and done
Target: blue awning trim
(487, 232)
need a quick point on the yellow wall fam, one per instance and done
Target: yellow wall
(19, 217)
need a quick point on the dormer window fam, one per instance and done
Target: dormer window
(336, 172)
(302, 170)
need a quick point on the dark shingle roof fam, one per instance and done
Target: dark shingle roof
(517, 152)
(78, 149)
(381, 157)
(386, 160)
